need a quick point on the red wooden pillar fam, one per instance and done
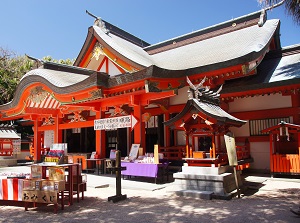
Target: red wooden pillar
(37, 142)
(213, 144)
(57, 132)
(187, 145)
(139, 129)
(271, 152)
(100, 137)
(193, 143)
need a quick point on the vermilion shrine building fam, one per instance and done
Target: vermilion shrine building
(117, 74)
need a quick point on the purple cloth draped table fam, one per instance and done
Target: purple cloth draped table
(142, 169)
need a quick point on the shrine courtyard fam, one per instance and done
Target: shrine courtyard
(266, 200)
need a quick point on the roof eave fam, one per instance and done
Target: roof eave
(87, 43)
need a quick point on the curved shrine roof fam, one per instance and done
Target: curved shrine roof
(232, 46)
(233, 42)
(279, 68)
(56, 78)
(61, 79)
(211, 110)
(8, 132)
(204, 103)
(126, 48)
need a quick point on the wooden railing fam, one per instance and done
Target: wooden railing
(173, 152)
(285, 163)
(178, 152)
(242, 152)
(6, 152)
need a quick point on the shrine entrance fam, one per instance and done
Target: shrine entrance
(80, 140)
(154, 133)
(117, 139)
(204, 143)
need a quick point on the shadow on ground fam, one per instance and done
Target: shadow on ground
(263, 208)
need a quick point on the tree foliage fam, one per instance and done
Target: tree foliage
(61, 61)
(292, 7)
(12, 68)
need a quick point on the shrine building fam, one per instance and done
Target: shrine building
(182, 94)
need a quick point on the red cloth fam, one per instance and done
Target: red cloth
(11, 189)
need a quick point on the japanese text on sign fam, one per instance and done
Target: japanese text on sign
(114, 123)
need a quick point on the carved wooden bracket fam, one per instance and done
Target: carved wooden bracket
(47, 120)
(146, 117)
(121, 110)
(162, 103)
(77, 117)
(37, 94)
(96, 94)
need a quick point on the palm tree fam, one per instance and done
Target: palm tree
(292, 7)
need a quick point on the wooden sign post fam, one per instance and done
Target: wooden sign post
(232, 157)
(118, 168)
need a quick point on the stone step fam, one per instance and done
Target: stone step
(206, 195)
(8, 162)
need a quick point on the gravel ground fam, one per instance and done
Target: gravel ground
(267, 200)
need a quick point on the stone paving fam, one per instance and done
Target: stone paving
(266, 200)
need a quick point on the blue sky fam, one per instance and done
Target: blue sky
(58, 28)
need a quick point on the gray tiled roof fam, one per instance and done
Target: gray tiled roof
(127, 49)
(218, 49)
(278, 68)
(8, 133)
(287, 68)
(211, 110)
(216, 112)
(62, 79)
(57, 78)
(245, 42)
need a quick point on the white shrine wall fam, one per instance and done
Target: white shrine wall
(260, 151)
(260, 103)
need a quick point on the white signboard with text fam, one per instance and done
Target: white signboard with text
(115, 123)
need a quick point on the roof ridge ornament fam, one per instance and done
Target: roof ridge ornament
(262, 18)
(196, 88)
(39, 62)
(98, 22)
(268, 6)
(203, 93)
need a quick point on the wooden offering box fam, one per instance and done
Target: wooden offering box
(47, 191)
(56, 173)
(42, 191)
(199, 154)
(32, 184)
(36, 172)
